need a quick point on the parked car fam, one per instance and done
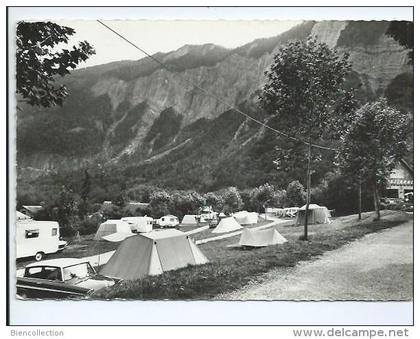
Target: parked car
(61, 278)
(213, 222)
(37, 239)
(391, 203)
(168, 221)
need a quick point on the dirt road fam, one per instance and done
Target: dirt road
(378, 266)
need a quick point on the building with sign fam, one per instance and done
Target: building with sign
(401, 181)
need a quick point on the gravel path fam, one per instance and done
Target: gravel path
(378, 266)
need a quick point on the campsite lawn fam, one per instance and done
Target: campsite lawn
(231, 268)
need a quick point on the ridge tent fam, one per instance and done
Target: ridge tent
(20, 216)
(246, 218)
(227, 224)
(152, 254)
(316, 215)
(139, 224)
(261, 238)
(111, 227)
(189, 220)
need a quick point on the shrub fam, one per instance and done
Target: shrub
(295, 194)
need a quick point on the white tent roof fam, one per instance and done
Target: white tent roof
(228, 224)
(21, 216)
(311, 207)
(133, 220)
(110, 227)
(189, 219)
(117, 237)
(246, 218)
(261, 238)
(160, 234)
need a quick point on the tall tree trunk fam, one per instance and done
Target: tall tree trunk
(360, 198)
(376, 199)
(308, 192)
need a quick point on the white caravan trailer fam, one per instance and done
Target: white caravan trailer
(168, 221)
(139, 224)
(37, 238)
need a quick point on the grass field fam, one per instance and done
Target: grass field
(232, 268)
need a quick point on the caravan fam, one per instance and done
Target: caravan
(38, 238)
(139, 224)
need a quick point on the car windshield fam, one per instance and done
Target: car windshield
(79, 271)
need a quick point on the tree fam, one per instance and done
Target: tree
(160, 203)
(262, 195)
(232, 200)
(39, 62)
(403, 32)
(279, 199)
(305, 88)
(121, 199)
(373, 144)
(214, 200)
(186, 203)
(295, 193)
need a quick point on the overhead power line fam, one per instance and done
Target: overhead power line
(208, 93)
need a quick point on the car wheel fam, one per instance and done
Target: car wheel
(39, 256)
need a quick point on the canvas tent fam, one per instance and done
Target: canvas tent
(20, 216)
(261, 238)
(228, 224)
(152, 254)
(316, 215)
(139, 224)
(189, 220)
(111, 227)
(246, 218)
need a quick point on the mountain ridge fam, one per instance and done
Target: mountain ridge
(130, 111)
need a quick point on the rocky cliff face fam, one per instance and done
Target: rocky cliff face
(112, 110)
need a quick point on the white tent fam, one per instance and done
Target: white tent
(246, 218)
(189, 220)
(20, 216)
(139, 224)
(316, 215)
(228, 224)
(261, 238)
(111, 227)
(152, 254)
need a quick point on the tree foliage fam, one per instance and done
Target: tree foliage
(232, 201)
(305, 88)
(373, 144)
(38, 62)
(403, 32)
(295, 194)
(160, 203)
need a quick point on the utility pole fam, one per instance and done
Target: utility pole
(360, 198)
(308, 192)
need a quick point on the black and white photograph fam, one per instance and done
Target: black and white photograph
(212, 160)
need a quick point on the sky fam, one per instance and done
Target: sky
(167, 35)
